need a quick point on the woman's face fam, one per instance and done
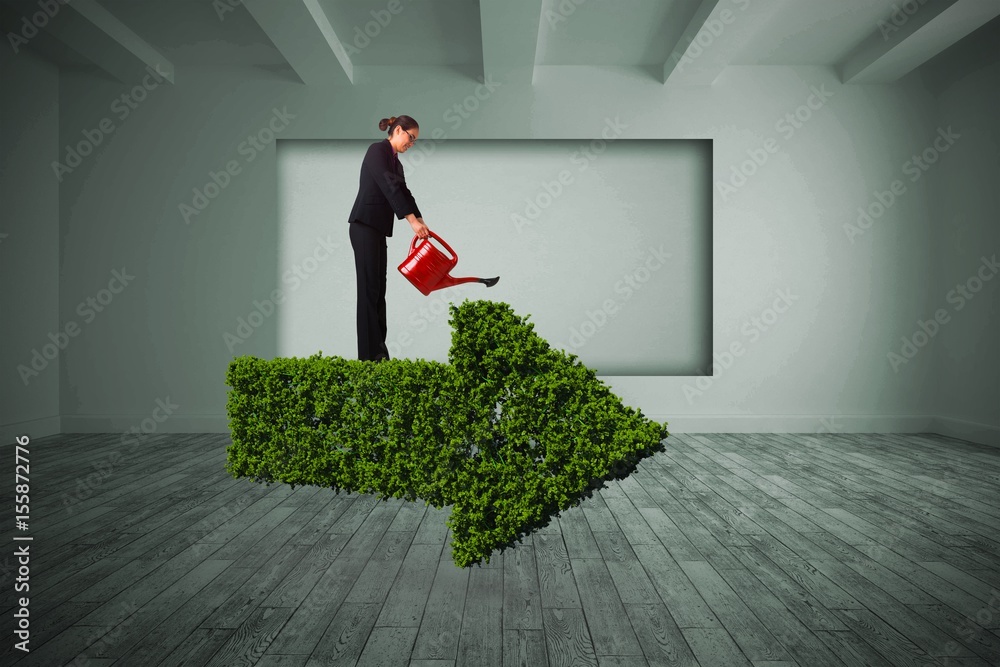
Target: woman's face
(403, 139)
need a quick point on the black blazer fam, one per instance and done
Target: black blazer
(382, 190)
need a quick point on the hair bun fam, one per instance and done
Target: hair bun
(392, 120)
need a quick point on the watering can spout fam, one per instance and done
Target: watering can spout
(427, 267)
(448, 281)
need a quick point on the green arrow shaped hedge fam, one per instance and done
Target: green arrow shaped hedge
(508, 433)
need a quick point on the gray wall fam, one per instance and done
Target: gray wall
(966, 248)
(29, 248)
(812, 310)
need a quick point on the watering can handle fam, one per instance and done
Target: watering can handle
(413, 244)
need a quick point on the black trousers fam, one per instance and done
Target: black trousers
(370, 265)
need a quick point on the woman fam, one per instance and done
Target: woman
(381, 192)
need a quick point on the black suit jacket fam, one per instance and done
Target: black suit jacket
(382, 190)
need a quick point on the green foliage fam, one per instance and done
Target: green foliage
(509, 432)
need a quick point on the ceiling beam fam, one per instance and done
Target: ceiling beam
(302, 32)
(678, 60)
(510, 38)
(907, 39)
(97, 35)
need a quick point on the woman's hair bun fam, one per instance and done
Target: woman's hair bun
(403, 121)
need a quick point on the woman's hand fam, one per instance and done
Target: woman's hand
(420, 229)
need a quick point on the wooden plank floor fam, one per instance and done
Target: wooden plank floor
(725, 550)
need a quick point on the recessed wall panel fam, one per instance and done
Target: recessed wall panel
(606, 244)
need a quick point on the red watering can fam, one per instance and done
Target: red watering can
(427, 267)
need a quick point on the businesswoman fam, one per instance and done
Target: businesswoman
(382, 192)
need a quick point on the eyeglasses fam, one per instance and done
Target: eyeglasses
(412, 138)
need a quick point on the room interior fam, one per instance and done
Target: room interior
(770, 224)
